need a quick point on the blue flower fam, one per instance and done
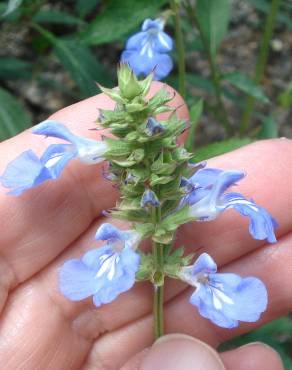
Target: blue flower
(28, 170)
(111, 234)
(224, 298)
(153, 127)
(149, 199)
(103, 273)
(147, 50)
(208, 200)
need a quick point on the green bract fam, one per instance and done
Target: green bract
(145, 158)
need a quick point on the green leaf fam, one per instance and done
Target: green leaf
(213, 17)
(11, 7)
(269, 128)
(283, 16)
(245, 84)
(79, 62)
(285, 98)
(85, 70)
(55, 16)
(14, 68)
(83, 8)
(218, 148)
(195, 114)
(118, 19)
(13, 118)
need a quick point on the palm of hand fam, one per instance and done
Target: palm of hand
(40, 329)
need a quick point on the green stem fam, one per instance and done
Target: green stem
(261, 62)
(158, 279)
(158, 291)
(215, 74)
(180, 49)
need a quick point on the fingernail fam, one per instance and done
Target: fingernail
(181, 352)
(264, 345)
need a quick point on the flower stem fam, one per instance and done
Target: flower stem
(158, 291)
(261, 62)
(180, 49)
(158, 279)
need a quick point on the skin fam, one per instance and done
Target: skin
(40, 329)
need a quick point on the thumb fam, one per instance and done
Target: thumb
(180, 352)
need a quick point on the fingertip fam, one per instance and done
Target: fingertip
(177, 351)
(252, 356)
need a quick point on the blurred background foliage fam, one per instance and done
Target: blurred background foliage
(236, 55)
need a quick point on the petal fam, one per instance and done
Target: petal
(137, 41)
(207, 208)
(54, 129)
(261, 225)
(202, 298)
(203, 181)
(90, 151)
(143, 64)
(162, 43)
(140, 64)
(108, 232)
(206, 177)
(224, 181)
(212, 181)
(24, 172)
(56, 157)
(76, 280)
(149, 198)
(92, 258)
(163, 65)
(130, 260)
(204, 264)
(157, 24)
(249, 296)
(123, 280)
(227, 298)
(153, 127)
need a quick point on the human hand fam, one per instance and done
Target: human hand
(40, 329)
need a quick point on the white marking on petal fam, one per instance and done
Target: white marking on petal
(243, 201)
(204, 210)
(91, 154)
(144, 48)
(52, 161)
(108, 265)
(150, 52)
(147, 49)
(218, 297)
(112, 270)
(163, 40)
(216, 301)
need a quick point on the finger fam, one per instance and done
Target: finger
(178, 352)
(253, 356)
(71, 203)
